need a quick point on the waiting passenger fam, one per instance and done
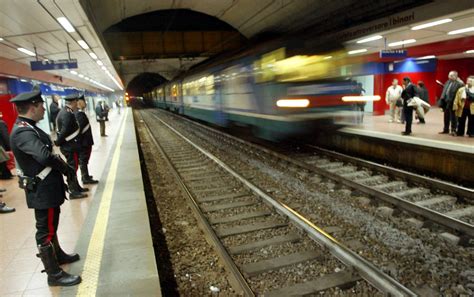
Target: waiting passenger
(408, 93)
(394, 94)
(447, 101)
(101, 112)
(464, 108)
(53, 111)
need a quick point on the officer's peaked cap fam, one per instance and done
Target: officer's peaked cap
(81, 97)
(71, 97)
(31, 97)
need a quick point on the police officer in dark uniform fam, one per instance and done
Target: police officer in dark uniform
(86, 141)
(40, 175)
(69, 135)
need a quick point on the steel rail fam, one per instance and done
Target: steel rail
(405, 205)
(367, 270)
(239, 283)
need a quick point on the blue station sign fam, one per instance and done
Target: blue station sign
(393, 53)
(53, 65)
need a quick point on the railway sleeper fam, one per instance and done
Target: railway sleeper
(342, 279)
(239, 217)
(211, 191)
(277, 240)
(437, 200)
(331, 166)
(390, 185)
(256, 268)
(410, 192)
(224, 197)
(355, 174)
(371, 179)
(241, 229)
(222, 206)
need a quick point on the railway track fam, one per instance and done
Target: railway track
(268, 247)
(430, 202)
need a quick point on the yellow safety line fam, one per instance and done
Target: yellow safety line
(90, 273)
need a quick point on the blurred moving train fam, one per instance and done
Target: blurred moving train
(274, 96)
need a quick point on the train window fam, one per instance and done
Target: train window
(210, 85)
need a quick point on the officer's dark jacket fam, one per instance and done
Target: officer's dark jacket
(67, 125)
(86, 131)
(53, 111)
(408, 93)
(32, 148)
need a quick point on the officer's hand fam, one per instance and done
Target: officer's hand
(56, 143)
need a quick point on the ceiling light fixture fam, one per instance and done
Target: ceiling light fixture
(372, 38)
(73, 72)
(94, 56)
(103, 68)
(357, 51)
(25, 51)
(100, 63)
(83, 44)
(327, 58)
(465, 30)
(66, 24)
(1, 39)
(470, 51)
(81, 76)
(431, 24)
(403, 42)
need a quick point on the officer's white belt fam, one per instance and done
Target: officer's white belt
(85, 128)
(70, 137)
(44, 173)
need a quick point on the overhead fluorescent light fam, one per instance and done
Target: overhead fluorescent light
(73, 72)
(408, 41)
(25, 51)
(103, 68)
(86, 78)
(431, 24)
(83, 44)
(94, 56)
(357, 51)
(426, 57)
(1, 39)
(100, 63)
(372, 38)
(327, 58)
(66, 24)
(81, 76)
(465, 30)
(470, 51)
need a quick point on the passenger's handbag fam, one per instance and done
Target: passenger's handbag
(4, 157)
(399, 102)
(442, 103)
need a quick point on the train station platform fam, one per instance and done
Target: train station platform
(425, 151)
(109, 229)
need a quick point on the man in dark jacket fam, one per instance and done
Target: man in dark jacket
(40, 175)
(69, 138)
(408, 93)
(87, 141)
(54, 110)
(102, 112)
(447, 99)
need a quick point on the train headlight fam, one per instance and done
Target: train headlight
(293, 103)
(360, 98)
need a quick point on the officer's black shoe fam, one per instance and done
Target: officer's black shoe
(82, 190)
(62, 256)
(76, 195)
(88, 180)
(5, 209)
(56, 276)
